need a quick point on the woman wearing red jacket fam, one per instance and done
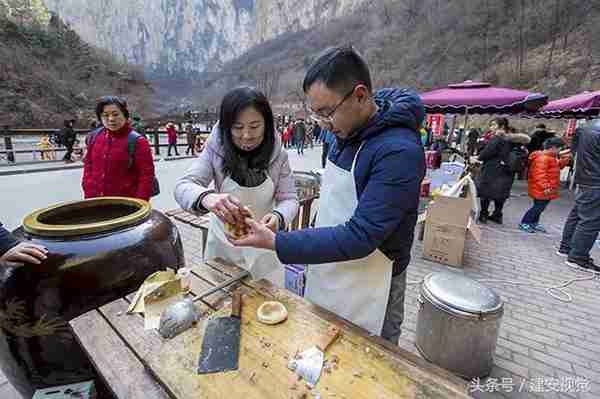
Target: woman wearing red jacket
(107, 167)
(543, 182)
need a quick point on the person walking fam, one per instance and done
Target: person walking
(583, 223)
(172, 138)
(472, 138)
(191, 139)
(543, 182)
(68, 137)
(300, 135)
(495, 180)
(327, 138)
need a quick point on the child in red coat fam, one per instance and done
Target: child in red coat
(543, 181)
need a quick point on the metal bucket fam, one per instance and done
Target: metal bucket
(458, 323)
(308, 185)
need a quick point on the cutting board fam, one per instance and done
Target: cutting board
(360, 366)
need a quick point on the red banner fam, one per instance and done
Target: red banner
(436, 124)
(571, 126)
(570, 130)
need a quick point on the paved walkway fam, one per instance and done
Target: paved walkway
(547, 348)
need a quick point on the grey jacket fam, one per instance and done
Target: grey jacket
(587, 171)
(208, 168)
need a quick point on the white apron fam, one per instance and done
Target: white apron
(261, 263)
(356, 290)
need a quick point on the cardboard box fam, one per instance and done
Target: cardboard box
(448, 222)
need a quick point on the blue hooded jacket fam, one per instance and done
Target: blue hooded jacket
(388, 174)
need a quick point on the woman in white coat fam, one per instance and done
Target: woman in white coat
(245, 159)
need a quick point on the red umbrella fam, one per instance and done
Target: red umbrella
(580, 106)
(481, 98)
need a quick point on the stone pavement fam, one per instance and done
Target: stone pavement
(547, 348)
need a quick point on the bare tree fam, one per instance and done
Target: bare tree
(554, 34)
(267, 80)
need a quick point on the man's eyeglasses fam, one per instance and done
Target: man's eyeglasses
(329, 117)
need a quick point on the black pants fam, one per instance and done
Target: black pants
(324, 154)
(582, 225)
(169, 149)
(498, 205)
(69, 152)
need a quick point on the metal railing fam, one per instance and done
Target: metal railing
(8, 138)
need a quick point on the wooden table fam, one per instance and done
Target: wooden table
(141, 364)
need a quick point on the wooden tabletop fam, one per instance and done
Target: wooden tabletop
(141, 364)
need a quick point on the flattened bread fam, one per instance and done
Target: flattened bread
(240, 230)
(271, 312)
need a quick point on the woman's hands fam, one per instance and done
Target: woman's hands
(24, 253)
(225, 206)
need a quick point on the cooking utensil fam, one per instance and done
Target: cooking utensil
(309, 363)
(221, 344)
(181, 315)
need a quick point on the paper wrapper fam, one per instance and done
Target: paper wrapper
(158, 291)
(152, 282)
(158, 300)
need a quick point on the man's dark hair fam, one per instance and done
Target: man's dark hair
(110, 100)
(540, 126)
(247, 169)
(501, 122)
(553, 142)
(339, 69)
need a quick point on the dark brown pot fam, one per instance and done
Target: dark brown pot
(99, 250)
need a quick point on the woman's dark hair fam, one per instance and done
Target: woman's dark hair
(553, 142)
(110, 100)
(501, 122)
(247, 168)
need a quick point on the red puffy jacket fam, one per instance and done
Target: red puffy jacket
(106, 169)
(544, 175)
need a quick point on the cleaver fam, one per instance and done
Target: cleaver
(221, 344)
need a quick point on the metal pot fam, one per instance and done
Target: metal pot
(458, 323)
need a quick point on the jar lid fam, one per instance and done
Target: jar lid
(461, 293)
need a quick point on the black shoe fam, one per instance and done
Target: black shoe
(483, 218)
(496, 218)
(584, 264)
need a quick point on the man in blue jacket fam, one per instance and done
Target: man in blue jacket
(360, 248)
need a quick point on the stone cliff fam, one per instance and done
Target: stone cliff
(184, 37)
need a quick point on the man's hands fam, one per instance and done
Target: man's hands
(271, 221)
(24, 253)
(261, 236)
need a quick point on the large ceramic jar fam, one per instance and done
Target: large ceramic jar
(98, 250)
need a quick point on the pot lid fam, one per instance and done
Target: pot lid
(461, 293)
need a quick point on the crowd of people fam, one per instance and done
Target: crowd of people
(374, 162)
